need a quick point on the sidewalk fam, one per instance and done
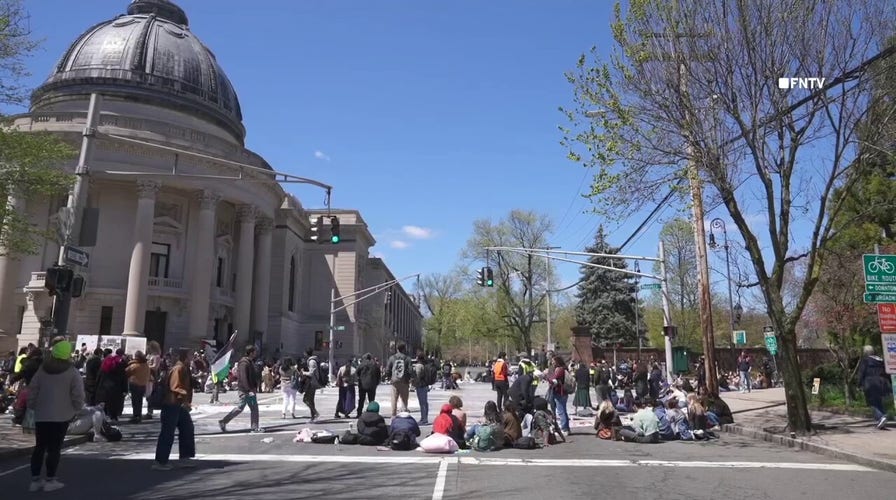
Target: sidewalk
(762, 414)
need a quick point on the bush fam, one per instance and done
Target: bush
(829, 373)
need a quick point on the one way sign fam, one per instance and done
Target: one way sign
(76, 257)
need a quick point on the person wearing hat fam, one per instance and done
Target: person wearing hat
(56, 394)
(372, 427)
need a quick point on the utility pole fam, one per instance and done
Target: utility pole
(77, 200)
(637, 306)
(667, 313)
(547, 291)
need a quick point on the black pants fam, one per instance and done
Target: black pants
(501, 387)
(371, 396)
(137, 394)
(308, 399)
(48, 442)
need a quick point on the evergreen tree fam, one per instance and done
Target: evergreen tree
(606, 298)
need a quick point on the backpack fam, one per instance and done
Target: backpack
(296, 382)
(321, 375)
(525, 443)
(159, 391)
(400, 369)
(484, 440)
(430, 373)
(569, 383)
(402, 441)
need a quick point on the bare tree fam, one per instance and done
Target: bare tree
(697, 82)
(439, 292)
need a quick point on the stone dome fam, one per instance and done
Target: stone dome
(148, 55)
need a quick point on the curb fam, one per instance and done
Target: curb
(804, 445)
(6, 454)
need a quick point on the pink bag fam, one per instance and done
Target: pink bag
(438, 443)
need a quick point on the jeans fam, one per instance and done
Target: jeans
(423, 399)
(175, 417)
(289, 399)
(48, 438)
(370, 395)
(400, 389)
(471, 431)
(137, 394)
(245, 399)
(875, 401)
(746, 383)
(629, 434)
(501, 387)
(560, 407)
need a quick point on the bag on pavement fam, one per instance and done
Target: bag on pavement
(323, 437)
(484, 440)
(439, 443)
(402, 441)
(525, 443)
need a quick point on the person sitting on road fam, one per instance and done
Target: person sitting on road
(545, 428)
(667, 432)
(717, 409)
(697, 419)
(457, 405)
(645, 425)
(512, 428)
(627, 404)
(404, 422)
(490, 416)
(607, 421)
(372, 427)
(447, 423)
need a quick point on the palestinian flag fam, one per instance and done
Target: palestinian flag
(221, 364)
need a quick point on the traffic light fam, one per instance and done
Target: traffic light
(334, 230)
(489, 277)
(671, 332)
(316, 226)
(480, 276)
(58, 279)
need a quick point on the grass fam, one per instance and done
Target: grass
(830, 397)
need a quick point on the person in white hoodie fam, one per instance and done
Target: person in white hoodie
(56, 394)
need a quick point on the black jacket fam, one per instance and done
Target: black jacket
(369, 375)
(871, 375)
(522, 392)
(373, 427)
(247, 376)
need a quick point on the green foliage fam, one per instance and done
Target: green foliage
(606, 298)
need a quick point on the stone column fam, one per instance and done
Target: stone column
(135, 308)
(10, 267)
(262, 274)
(246, 216)
(203, 264)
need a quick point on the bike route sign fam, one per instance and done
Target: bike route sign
(879, 268)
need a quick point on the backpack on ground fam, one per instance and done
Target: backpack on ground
(430, 373)
(484, 440)
(110, 432)
(569, 383)
(402, 440)
(400, 369)
(525, 443)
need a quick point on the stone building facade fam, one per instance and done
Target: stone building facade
(220, 246)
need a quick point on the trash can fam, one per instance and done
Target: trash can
(680, 362)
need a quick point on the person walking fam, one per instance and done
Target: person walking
(369, 376)
(874, 385)
(421, 386)
(289, 386)
(312, 384)
(500, 376)
(247, 385)
(398, 370)
(175, 415)
(56, 394)
(346, 381)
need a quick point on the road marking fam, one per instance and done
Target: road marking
(542, 462)
(438, 490)
(10, 471)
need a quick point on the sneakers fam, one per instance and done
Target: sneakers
(36, 485)
(52, 485)
(185, 463)
(222, 425)
(882, 423)
(259, 430)
(160, 466)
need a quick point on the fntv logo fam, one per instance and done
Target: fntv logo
(801, 83)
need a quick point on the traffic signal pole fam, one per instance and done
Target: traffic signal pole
(77, 199)
(667, 315)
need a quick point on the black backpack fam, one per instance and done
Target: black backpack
(430, 373)
(402, 441)
(159, 391)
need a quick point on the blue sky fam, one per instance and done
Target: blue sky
(423, 115)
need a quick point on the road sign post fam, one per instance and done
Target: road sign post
(75, 256)
(652, 286)
(886, 318)
(771, 341)
(740, 337)
(880, 298)
(879, 268)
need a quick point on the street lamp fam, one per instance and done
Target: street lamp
(716, 224)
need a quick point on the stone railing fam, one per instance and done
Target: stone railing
(165, 283)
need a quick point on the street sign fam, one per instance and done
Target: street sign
(879, 268)
(886, 318)
(771, 342)
(340, 328)
(76, 257)
(740, 337)
(651, 286)
(880, 287)
(888, 341)
(878, 298)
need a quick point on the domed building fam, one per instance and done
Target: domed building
(189, 234)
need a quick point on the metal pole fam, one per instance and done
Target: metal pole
(547, 263)
(730, 294)
(332, 329)
(667, 314)
(637, 323)
(77, 199)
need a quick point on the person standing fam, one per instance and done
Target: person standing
(582, 397)
(744, 364)
(175, 414)
(421, 386)
(346, 380)
(56, 394)
(558, 394)
(138, 379)
(247, 385)
(500, 373)
(398, 370)
(369, 376)
(874, 385)
(289, 386)
(311, 382)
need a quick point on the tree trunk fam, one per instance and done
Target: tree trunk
(798, 419)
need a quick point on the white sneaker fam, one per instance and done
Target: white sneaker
(52, 485)
(882, 423)
(36, 485)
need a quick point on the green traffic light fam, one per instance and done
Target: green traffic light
(490, 283)
(334, 239)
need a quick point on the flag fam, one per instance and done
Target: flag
(221, 364)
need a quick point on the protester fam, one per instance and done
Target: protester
(248, 384)
(175, 415)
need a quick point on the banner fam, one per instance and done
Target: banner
(888, 343)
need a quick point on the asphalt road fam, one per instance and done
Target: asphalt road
(239, 465)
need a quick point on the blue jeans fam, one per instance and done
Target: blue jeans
(423, 399)
(175, 417)
(560, 408)
(746, 383)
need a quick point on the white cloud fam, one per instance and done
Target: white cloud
(320, 155)
(417, 232)
(398, 244)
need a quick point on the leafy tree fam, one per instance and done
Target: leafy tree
(691, 93)
(29, 162)
(606, 297)
(519, 279)
(681, 267)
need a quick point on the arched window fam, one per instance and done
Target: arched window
(292, 284)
